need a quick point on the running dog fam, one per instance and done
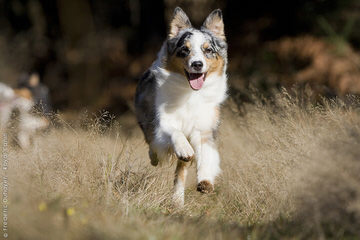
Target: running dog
(19, 99)
(178, 99)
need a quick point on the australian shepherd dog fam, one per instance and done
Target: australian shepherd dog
(178, 99)
(22, 100)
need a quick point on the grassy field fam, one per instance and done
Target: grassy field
(290, 170)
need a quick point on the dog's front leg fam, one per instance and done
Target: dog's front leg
(208, 164)
(24, 139)
(179, 182)
(185, 154)
(5, 113)
(181, 146)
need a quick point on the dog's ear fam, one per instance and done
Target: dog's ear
(214, 23)
(179, 22)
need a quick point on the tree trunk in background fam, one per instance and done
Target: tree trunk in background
(84, 70)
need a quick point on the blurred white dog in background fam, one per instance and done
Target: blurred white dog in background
(20, 99)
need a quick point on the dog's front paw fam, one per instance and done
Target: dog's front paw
(184, 151)
(205, 187)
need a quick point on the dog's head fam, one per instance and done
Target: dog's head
(196, 53)
(36, 90)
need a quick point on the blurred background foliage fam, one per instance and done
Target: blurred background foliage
(90, 53)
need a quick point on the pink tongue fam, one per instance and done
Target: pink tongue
(196, 80)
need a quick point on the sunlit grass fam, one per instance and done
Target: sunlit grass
(290, 170)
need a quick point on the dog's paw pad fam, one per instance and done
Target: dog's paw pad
(205, 187)
(186, 159)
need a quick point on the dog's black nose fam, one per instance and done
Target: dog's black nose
(197, 65)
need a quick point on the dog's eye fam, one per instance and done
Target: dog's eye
(209, 51)
(184, 51)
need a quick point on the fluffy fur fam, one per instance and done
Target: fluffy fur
(178, 99)
(21, 100)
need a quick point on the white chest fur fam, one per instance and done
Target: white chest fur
(180, 108)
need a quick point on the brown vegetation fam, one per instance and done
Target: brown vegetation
(327, 66)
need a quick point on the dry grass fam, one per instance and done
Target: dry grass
(290, 171)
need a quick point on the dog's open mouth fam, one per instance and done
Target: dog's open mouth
(196, 80)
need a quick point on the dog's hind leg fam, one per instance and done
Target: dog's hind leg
(179, 182)
(158, 153)
(154, 160)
